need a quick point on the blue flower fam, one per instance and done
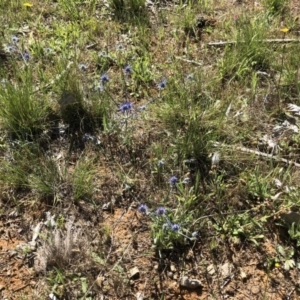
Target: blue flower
(26, 55)
(161, 211)
(143, 208)
(127, 69)
(175, 227)
(173, 180)
(162, 84)
(14, 39)
(125, 107)
(104, 78)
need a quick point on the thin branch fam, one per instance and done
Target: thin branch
(259, 153)
(276, 41)
(189, 61)
(278, 159)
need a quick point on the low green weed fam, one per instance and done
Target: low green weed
(286, 257)
(165, 230)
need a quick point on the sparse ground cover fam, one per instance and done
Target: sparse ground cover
(149, 149)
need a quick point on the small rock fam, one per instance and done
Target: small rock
(13, 214)
(243, 274)
(32, 245)
(99, 281)
(170, 274)
(52, 297)
(226, 270)
(189, 283)
(134, 273)
(132, 282)
(105, 283)
(139, 296)
(255, 289)
(211, 269)
(172, 268)
(108, 206)
(33, 283)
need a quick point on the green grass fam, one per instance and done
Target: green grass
(68, 145)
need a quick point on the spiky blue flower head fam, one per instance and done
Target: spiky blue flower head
(26, 55)
(162, 84)
(173, 180)
(126, 107)
(14, 39)
(161, 211)
(127, 70)
(104, 78)
(143, 208)
(175, 227)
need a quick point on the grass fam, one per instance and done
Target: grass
(125, 105)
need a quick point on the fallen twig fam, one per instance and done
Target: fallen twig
(259, 153)
(188, 60)
(276, 41)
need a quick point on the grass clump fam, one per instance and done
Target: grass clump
(24, 114)
(131, 11)
(250, 53)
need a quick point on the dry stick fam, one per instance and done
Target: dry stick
(259, 153)
(276, 41)
(189, 61)
(278, 159)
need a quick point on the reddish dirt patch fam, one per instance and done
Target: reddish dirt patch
(16, 278)
(249, 278)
